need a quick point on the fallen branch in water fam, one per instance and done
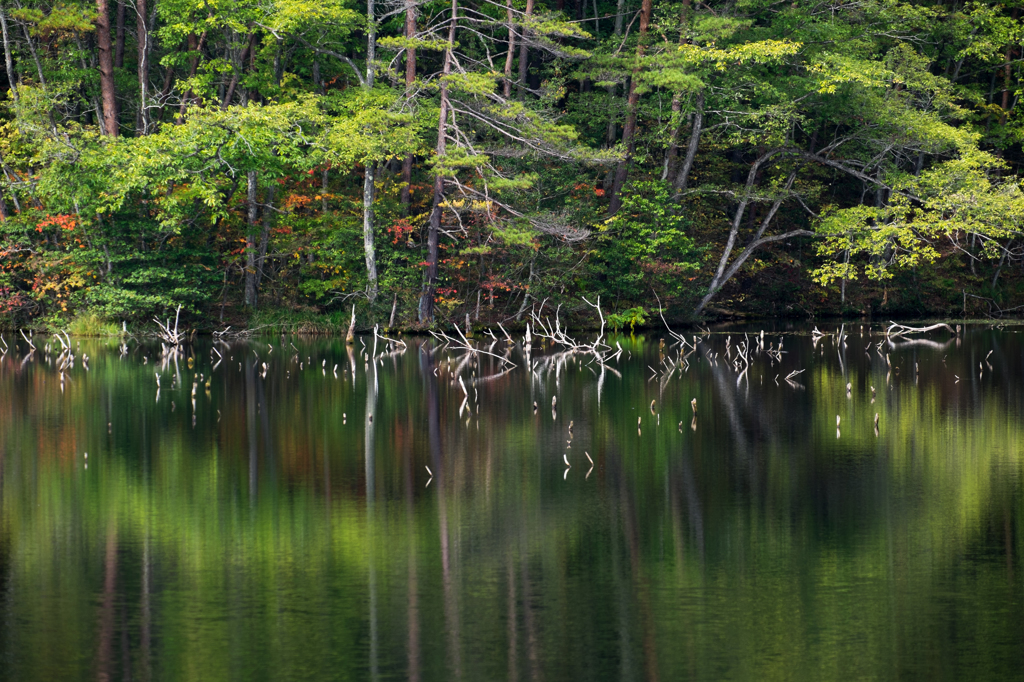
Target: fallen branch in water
(902, 329)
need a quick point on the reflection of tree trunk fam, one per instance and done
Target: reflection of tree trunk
(640, 583)
(451, 607)
(532, 648)
(146, 614)
(369, 472)
(413, 588)
(250, 426)
(104, 654)
(513, 624)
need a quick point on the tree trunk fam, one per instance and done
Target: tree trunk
(370, 164)
(410, 78)
(106, 58)
(142, 31)
(426, 308)
(119, 39)
(510, 55)
(197, 47)
(726, 271)
(11, 79)
(612, 132)
(629, 129)
(677, 102)
(230, 92)
(691, 148)
(32, 50)
(268, 220)
(524, 52)
(250, 242)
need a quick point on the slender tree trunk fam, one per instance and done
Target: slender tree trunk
(677, 102)
(410, 79)
(250, 242)
(268, 221)
(8, 61)
(197, 47)
(246, 51)
(726, 270)
(142, 32)
(510, 55)
(119, 39)
(32, 50)
(1007, 73)
(691, 148)
(612, 131)
(426, 308)
(629, 129)
(106, 68)
(524, 52)
(371, 166)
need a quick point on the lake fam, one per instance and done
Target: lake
(387, 512)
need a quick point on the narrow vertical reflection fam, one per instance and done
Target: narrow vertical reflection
(250, 427)
(369, 454)
(106, 643)
(146, 615)
(451, 610)
(513, 623)
(413, 588)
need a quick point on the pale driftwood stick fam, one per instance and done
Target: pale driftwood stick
(902, 329)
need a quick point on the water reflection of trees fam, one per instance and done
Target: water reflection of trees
(684, 553)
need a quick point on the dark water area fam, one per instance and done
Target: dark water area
(355, 514)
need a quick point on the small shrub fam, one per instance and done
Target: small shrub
(91, 324)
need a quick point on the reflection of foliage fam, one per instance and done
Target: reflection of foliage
(632, 317)
(211, 536)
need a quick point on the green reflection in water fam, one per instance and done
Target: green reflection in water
(287, 535)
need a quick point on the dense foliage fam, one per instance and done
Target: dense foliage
(433, 160)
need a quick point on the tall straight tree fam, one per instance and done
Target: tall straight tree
(410, 79)
(106, 62)
(633, 99)
(426, 308)
(370, 166)
(142, 35)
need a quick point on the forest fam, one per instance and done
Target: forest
(263, 163)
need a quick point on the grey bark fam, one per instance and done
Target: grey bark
(250, 241)
(8, 61)
(725, 270)
(524, 52)
(368, 227)
(142, 32)
(691, 148)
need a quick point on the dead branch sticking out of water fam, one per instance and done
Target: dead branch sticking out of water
(170, 337)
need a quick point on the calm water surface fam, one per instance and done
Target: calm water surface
(362, 523)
